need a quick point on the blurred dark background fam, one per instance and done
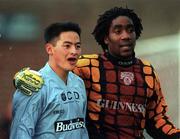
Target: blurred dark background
(21, 38)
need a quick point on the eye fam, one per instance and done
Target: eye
(130, 29)
(118, 31)
(78, 46)
(66, 45)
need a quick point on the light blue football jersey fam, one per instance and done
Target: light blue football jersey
(57, 111)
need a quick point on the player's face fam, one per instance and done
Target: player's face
(121, 38)
(65, 53)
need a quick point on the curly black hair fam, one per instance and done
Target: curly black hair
(104, 22)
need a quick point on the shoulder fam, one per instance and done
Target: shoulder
(75, 78)
(89, 56)
(150, 74)
(85, 60)
(49, 77)
(77, 82)
(147, 66)
(145, 62)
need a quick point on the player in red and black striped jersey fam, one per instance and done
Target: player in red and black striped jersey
(124, 93)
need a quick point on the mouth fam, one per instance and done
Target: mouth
(72, 60)
(125, 45)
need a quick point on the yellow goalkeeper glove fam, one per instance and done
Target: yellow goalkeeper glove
(28, 81)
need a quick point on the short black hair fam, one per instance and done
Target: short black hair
(54, 30)
(104, 22)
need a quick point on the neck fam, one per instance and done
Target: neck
(121, 61)
(59, 71)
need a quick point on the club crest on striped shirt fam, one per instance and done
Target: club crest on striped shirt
(127, 77)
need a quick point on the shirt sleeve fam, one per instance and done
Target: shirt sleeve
(26, 111)
(158, 124)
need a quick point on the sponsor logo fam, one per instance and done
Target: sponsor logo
(117, 105)
(70, 96)
(127, 77)
(68, 125)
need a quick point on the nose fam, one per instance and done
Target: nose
(125, 35)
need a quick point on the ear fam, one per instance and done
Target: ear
(49, 48)
(106, 40)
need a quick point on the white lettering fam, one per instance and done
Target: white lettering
(69, 125)
(126, 106)
(59, 126)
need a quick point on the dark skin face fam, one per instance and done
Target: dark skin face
(121, 39)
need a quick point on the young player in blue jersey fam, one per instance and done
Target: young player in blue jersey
(57, 110)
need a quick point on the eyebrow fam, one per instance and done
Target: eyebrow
(71, 42)
(120, 26)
